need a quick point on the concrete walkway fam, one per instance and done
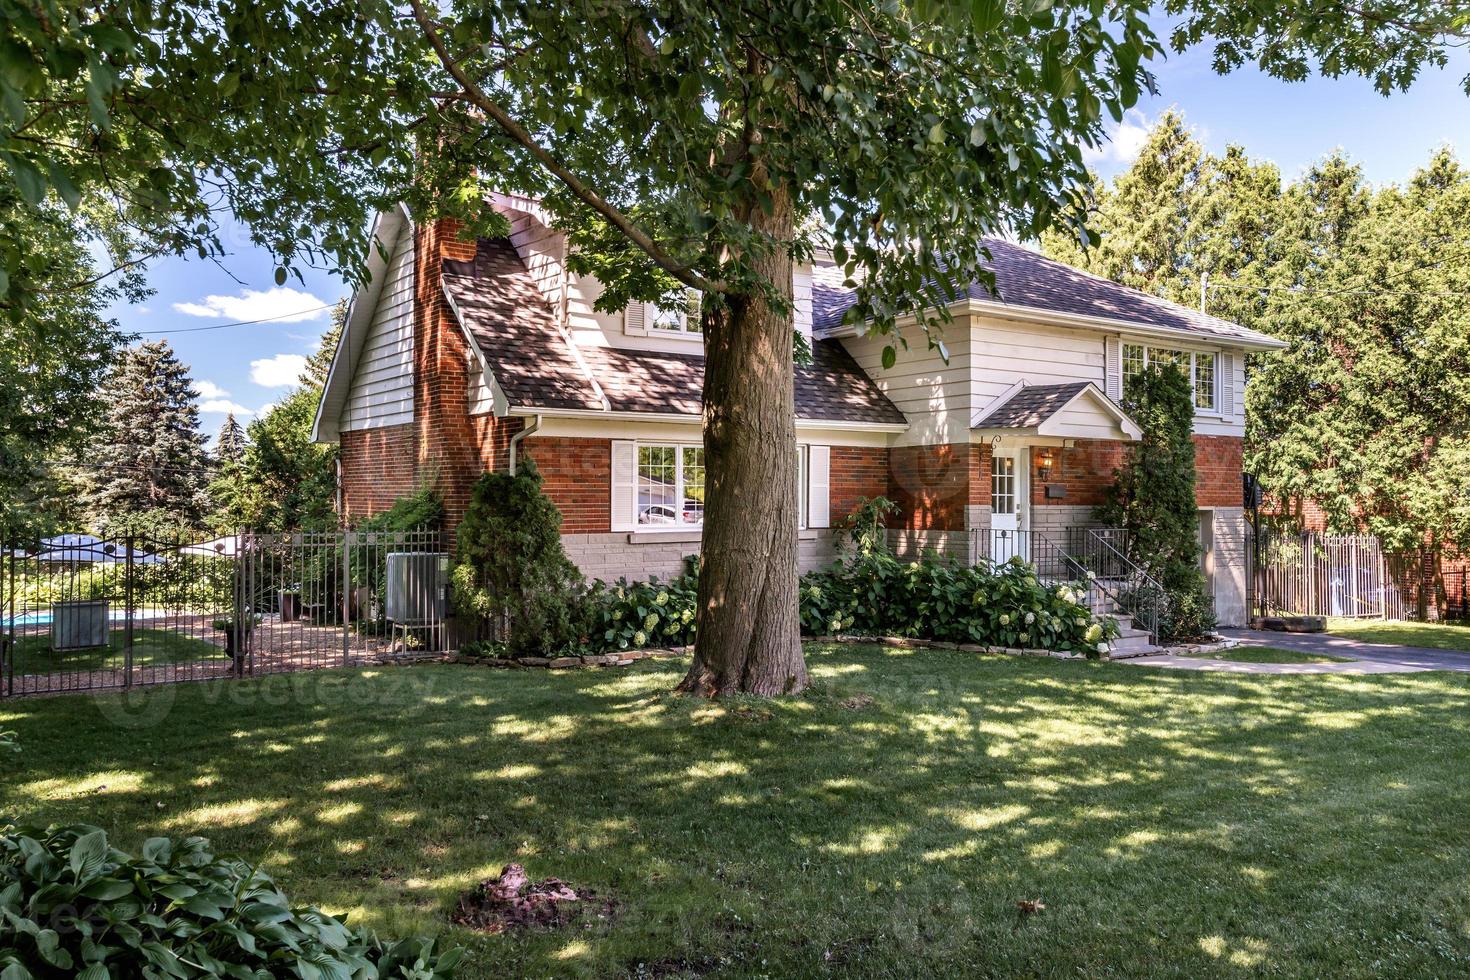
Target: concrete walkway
(1368, 658)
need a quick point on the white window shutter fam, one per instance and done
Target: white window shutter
(819, 493)
(635, 319)
(1113, 368)
(1225, 371)
(624, 485)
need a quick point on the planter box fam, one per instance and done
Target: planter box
(80, 625)
(1291, 624)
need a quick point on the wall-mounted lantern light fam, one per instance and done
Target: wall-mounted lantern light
(1045, 460)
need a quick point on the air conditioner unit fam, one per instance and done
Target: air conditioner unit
(417, 587)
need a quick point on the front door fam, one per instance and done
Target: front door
(1008, 537)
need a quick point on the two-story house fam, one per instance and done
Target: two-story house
(461, 356)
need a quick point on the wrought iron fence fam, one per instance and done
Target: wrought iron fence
(1113, 583)
(80, 612)
(1309, 574)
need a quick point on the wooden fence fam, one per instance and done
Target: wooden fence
(1310, 574)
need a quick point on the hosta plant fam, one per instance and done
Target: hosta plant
(73, 906)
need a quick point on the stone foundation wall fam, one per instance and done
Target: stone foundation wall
(621, 554)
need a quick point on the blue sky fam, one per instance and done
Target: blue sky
(250, 367)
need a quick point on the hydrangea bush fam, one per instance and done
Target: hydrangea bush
(941, 599)
(632, 615)
(880, 595)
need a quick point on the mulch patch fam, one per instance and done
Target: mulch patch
(513, 901)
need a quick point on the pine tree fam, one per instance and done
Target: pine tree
(319, 364)
(229, 447)
(147, 469)
(1143, 220)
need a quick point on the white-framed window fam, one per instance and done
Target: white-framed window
(659, 486)
(1197, 364)
(670, 486)
(676, 318)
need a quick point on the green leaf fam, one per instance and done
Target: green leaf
(280, 275)
(27, 178)
(87, 855)
(890, 357)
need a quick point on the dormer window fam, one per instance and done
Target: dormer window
(676, 318)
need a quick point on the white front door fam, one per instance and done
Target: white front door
(1008, 492)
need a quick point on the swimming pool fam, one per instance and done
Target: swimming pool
(42, 617)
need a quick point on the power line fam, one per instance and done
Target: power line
(239, 323)
(1303, 290)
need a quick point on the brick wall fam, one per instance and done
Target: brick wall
(1086, 470)
(577, 476)
(931, 485)
(449, 443)
(1217, 460)
(377, 469)
(855, 472)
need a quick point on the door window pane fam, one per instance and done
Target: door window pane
(1003, 485)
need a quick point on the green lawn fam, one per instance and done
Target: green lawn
(151, 648)
(1270, 655)
(1438, 636)
(1174, 823)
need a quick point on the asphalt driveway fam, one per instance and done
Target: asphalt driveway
(1369, 658)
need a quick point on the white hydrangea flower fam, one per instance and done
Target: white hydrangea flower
(617, 615)
(1005, 619)
(1094, 633)
(650, 621)
(1030, 618)
(661, 599)
(836, 625)
(1025, 637)
(639, 639)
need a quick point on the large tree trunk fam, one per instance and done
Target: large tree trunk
(749, 632)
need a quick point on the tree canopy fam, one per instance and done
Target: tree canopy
(1366, 414)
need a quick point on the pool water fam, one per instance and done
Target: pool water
(42, 617)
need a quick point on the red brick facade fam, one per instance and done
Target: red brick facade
(931, 485)
(1217, 462)
(855, 472)
(378, 467)
(577, 476)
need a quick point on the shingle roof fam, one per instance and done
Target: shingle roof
(503, 309)
(1029, 407)
(1026, 279)
(505, 312)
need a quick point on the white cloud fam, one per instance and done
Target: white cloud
(280, 371)
(265, 409)
(223, 406)
(210, 390)
(1124, 141)
(280, 303)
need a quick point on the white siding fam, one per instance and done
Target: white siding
(801, 294)
(540, 249)
(382, 380)
(1006, 351)
(933, 395)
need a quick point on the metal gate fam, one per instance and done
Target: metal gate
(80, 612)
(1311, 574)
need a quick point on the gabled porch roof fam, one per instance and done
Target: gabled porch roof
(1074, 410)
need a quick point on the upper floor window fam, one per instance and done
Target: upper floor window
(1198, 366)
(676, 318)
